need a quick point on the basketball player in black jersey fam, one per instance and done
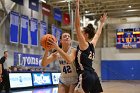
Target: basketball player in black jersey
(87, 38)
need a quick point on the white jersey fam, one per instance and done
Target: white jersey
(68, 71)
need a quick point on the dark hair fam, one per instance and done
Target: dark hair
(5, 52)
(90, 30)
(60, 45)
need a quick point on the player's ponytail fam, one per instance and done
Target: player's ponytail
(90, 30)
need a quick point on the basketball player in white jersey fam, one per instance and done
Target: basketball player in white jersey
(66, 57)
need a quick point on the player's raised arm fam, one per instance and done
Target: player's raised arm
(82, 42)
(98, 33)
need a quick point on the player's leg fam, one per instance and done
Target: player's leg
(63, 88)
(79, 86)
(71, 88)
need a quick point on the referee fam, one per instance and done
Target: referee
(5, 74)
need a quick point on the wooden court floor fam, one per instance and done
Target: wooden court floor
(108, 87)
(121, 86)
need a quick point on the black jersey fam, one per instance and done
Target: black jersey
(85, 58)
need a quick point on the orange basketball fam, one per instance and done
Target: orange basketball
(44, 43)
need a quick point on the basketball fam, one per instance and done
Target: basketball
(44, 40)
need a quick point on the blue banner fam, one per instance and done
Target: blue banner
(24, 29)
(27, 59)
(43, 28)
(57, 33)
(14, 25)
(34, 32)
(34, 4)
(57, 14)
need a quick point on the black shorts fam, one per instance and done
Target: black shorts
(89, 82)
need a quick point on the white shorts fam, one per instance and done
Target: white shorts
(68, 80)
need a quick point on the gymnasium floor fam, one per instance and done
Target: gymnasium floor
(108, 86)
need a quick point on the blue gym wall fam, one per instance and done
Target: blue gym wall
(120, 69)
(120, 64)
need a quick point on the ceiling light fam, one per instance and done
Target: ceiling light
(87, 11)
(132, 10)
(62, 1)
(42, 1)
(89, 14)
(129, 6)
